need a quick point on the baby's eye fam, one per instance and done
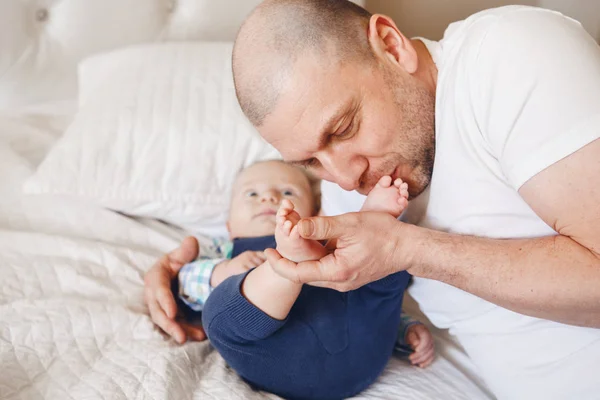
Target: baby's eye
(288, 192)
(251, 193)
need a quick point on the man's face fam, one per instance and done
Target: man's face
(354, 123)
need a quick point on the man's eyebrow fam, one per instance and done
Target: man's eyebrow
(328, 128)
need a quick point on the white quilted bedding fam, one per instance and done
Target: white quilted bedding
(73, 323)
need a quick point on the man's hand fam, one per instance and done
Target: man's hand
(158, 295)
(238, 265)
(420, 339)
(367, 248)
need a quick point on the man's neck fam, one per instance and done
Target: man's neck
(427, 71)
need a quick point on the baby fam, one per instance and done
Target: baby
(294, 340)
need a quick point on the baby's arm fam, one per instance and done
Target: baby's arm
(197, 279)
(194, 282)
(415, 336)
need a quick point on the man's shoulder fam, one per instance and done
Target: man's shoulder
(509, 24)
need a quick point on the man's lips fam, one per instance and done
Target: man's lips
(365, 190)
(394, 175)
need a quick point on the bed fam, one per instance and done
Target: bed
(73, 323)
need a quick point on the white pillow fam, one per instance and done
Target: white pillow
(159, 133)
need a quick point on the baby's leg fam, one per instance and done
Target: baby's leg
(263, 287)
(387, 197)
(289, 242)
(307, 355)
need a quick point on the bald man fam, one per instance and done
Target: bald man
(495, 129)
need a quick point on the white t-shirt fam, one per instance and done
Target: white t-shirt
(518, 90)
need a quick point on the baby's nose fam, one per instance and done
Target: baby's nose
(270, 196)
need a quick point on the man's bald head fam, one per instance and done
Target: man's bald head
(279, 32)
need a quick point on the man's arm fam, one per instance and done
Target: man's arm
(556, 277)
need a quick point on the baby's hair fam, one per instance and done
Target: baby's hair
(315, 183)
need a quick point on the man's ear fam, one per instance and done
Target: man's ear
(389, 43)
(228, 228)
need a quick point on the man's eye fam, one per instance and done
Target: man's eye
(346, 132)
(251, 193)
(311, 162)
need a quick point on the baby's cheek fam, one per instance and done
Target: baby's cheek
(305, 209)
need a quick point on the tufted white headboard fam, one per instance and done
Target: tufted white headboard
(41, 41)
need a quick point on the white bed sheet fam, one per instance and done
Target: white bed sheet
(73, 323)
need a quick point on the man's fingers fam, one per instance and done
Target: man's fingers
(304, 272)
(259, 257)
(331, 245)
(168, 325)
(324, 228)
(194, 332)
(282, 266)
(187, 252)
(166, 301)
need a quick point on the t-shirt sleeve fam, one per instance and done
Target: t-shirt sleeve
(536, 90)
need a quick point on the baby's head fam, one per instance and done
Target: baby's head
(258, 192)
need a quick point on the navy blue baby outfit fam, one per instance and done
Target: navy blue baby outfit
(332, 345)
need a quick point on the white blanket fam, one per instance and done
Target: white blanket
(73, 323)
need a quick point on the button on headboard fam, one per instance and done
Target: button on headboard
(41, 41)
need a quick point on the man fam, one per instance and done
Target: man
(495, 129)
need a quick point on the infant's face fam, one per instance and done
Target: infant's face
(257, 193)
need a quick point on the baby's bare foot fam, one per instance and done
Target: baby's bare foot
(386, 197)
(289, 242)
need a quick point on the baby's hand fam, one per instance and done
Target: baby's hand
(289, 243)
(419, 338)
(386, 197)
(238, 265)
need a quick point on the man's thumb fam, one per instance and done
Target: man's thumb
(187, 252)
(321, 228)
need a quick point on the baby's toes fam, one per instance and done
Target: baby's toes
(282, 214)
(404, 191)
(280, 219)
(287, 228)
(287, 205)
(385, 181)
(398, 183)
(294, 217)
(295, 234)
(402, 202)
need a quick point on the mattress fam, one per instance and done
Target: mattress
(73, 323)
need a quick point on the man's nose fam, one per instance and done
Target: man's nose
(270, 196)
(345, 172)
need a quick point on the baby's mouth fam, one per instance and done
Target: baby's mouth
(266, 213)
